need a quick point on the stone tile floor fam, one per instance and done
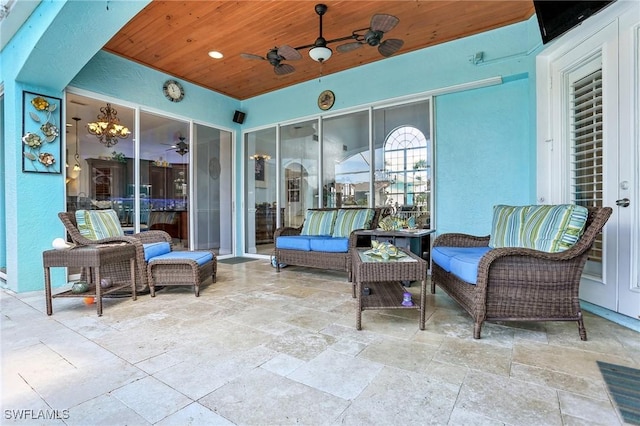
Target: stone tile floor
(261, 348)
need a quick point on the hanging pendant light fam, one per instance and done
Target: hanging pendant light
(76, 167)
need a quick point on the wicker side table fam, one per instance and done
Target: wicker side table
(384, 280)
(92, 257)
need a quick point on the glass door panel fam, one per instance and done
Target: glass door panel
(261, 206)
(212, 195)
(299, 153)
(160, 197)
(98, 170)
(346, 160)
(404, 161)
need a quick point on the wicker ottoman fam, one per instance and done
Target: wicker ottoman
(181, 268)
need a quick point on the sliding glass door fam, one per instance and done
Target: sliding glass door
(213, 191)
(379, 156)
(260, 200)
(177, 177)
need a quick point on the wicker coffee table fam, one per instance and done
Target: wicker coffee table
(92, 257)
(383, 279)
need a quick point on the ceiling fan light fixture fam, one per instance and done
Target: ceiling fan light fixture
(320, 53)
(372, 38)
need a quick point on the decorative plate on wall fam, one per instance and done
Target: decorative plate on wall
(326, 100)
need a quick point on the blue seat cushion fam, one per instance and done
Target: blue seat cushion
(201, 257)
(313, 243)
(460, 261)
(155, 249)
(332, 245)
(441, 256)
(293, 242)
(298, 242)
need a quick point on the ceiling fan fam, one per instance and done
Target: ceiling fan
(275, 57)
(181, 147)
(319, 52)
(372, 36)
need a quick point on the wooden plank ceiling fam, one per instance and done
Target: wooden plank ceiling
(176, 36)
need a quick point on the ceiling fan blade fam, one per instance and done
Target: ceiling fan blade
(389, 47)
(282, 69)
(289, 53)
(348, 47)
(384, 23)
(252, 56)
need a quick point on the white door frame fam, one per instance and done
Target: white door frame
(613, 34)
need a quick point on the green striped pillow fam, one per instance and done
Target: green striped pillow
(554, 228)
(506, 230)
(549, 228)
(318, 222)
(98, 224)
(349, 220)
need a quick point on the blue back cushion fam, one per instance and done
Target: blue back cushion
(155, 249)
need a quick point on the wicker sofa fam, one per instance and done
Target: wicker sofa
(519, 284)
(334, 260)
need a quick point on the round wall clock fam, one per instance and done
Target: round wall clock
(326, 100)
(173, 90)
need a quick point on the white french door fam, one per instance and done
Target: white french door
(589, 152)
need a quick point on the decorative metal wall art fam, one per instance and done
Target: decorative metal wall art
(41, 141)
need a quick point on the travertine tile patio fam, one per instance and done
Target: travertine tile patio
(262, 348)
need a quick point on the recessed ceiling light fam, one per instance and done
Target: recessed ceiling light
(215, 54)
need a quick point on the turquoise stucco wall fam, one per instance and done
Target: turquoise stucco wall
(502, 114)
(482, 155)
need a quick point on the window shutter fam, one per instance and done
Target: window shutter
(586, 136)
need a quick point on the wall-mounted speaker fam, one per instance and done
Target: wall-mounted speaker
(238, 117)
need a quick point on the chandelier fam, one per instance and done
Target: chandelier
(260, 157)
(108, 128)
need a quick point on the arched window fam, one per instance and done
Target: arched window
(407, 168)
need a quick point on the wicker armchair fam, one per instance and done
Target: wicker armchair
(519, 284)
(119, 272)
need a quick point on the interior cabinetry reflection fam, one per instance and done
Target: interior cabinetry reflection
(266, 223)
(107, 179)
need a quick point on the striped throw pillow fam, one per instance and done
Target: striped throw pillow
(348, 220)
(554, 228)
(506, 229)
(318, 222)
(549, 228)
(98, 224)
